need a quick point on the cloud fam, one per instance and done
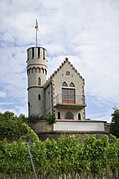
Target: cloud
(87, 32)
(2, 94)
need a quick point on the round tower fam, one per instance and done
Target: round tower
(37, 72)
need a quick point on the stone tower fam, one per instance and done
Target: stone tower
(37, 72)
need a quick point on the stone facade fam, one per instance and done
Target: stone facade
(45, 97)
(62, 94)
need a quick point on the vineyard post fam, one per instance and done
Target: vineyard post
(27, 145)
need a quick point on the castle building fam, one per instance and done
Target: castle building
(62, 94)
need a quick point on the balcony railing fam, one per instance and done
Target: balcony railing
(69, 100)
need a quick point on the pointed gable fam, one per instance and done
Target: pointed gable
(61, 66)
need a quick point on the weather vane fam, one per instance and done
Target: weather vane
(36, 27)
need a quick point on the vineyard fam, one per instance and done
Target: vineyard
(66, 156)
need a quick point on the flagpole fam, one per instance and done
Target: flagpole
(36, 37)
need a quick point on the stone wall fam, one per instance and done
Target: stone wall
(42, 126)
(44, 131)
(55, 135)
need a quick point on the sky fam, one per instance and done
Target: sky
(85, 31)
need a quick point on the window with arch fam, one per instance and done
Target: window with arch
(71, 84)
(39, 97)
(69, 115)
(79, 116)
(58, 115)
(39, 81)
(64, 84)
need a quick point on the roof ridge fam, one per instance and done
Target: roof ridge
(60, 66)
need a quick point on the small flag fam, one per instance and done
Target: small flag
(36, 26)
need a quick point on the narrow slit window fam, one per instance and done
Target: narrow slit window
(58, 115)
(79, 116)
(44, 54)
(32, 52)
(39, 81)
(39, 97)
(38, 52)
(28, 108)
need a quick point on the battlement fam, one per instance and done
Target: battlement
(36, 55)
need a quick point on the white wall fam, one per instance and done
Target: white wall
(79, 126)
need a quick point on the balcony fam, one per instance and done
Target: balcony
(70, 101)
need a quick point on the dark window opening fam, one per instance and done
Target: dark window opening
(58, 115)
(64, 84)
(28, 108)
(79, 116)
(69, 115)
(32, 52)
(38, 52)
(72, 84)
(39, 81)
(44, 54)
(39, 97)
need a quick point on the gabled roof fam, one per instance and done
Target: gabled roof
(58, 69)
(62, 64)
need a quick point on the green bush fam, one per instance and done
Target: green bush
(35, 118)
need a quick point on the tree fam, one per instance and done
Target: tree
(14, 128)
(114, 127)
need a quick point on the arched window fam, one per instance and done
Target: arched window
(68, 94)
(64, 84)
(69, 115)
(39, 81)
(39, 97)
(58, 115)
(72, 84)
(79, 116)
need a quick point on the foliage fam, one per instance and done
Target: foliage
(14, 128)
(34, 118)
(114, 128)
(66, 156)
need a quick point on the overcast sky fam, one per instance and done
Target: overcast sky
(85, 31)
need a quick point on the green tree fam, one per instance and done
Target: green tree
(14, 128)
(114, 127)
